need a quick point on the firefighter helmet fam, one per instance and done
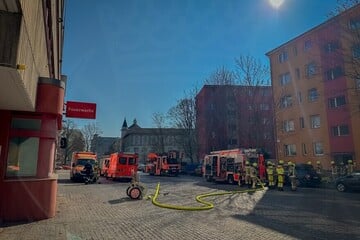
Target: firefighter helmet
(318, 162)
(332, 163)
(269, 163)
(349, 161)
(290, 163)
(247, 163)
(281, 162)
(309, 162)
(254, 164)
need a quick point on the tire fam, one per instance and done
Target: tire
(230, 179)
(135, 193)
(341, 187)
(127, 191)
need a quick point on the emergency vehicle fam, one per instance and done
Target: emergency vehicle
(229, 165)
(105, 162)
(163, 164)
(122, 165)
(78, 161)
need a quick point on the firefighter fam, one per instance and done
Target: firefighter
(253, 175)
(334, 170)
(280, 175)
(318, 167)
(309, 163)
(247, 173)
(342, 170)
(349, 167)
(292, 175)
(270, 174)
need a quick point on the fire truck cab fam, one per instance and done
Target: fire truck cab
(229, 165)
(122, 165)
(163, 164)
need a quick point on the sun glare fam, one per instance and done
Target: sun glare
(276, 3)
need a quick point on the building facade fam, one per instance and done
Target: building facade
(31, 104)
(146, 140)
(316, 89)
(231, 116)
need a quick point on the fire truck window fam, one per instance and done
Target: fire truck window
(122, 160)
(22, 157)
(132, 161)
(230, 165)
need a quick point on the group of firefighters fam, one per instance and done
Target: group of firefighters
(276, 174)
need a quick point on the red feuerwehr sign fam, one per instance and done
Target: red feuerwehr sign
(80, 110)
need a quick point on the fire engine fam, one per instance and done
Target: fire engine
(163, 164)
(122, 165)
(229, 165)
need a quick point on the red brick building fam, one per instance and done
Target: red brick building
(316, 87)
(230, 116)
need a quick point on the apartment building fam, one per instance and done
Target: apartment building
(316, 88)
(233, 116)
(31, 104)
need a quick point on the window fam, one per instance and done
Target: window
(122, 160)
(232, 127)
(307, 45)
(22, 157)
(315, 121)
(290, 150)
(132, 161)
(286, 101)
(334, 73)
(302, 123)
(341, 130)
(285, 79)
(265, 121)
(304, 151)
(337, 102)
(264, 106)
(318, 148)
(331, 47)
(289, 126)
(354, 24)
(313, 94)
(266, 92)
(233, 141)
(297, 73)
(310, 69)
(357, 83)
(283, 56)
(356, 51)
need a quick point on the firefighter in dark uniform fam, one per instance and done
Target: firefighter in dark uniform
(247, 173)
(318, 167)
(349, 167)
(280, 175)
(334, 170)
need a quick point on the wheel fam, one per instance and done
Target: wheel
(231, 179)
(127, 191)
(135, 193)
(341, 187)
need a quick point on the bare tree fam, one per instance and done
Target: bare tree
(183, 116)
(221, 76)
(159, 120)
(75, 141)
(343, 5)
(90, 131)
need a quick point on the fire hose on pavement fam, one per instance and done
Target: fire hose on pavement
(199, 198)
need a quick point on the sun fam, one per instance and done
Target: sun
(276, 3)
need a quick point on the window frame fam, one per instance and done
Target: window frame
(315, 146)
(312, 122)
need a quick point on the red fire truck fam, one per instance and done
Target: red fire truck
(122, 165)
(163, 164)
(229, 165)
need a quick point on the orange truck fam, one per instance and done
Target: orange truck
(229, 165)
(122, 165)
(78, 161)
(163, 164)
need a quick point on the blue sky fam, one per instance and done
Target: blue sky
(137, 57)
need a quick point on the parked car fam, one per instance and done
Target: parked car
(349, 182)
(306, 176)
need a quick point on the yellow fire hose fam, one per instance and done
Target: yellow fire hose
(199, 198)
